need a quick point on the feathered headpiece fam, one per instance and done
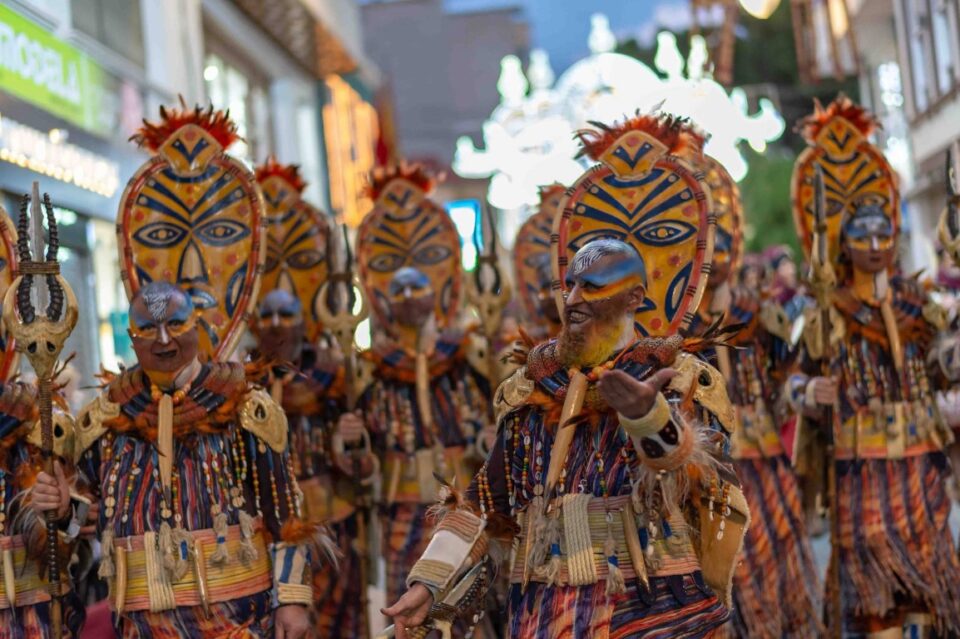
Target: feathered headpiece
(218, 124)
(288, 172)
(843, 107)
(416, 174)
(678, 134)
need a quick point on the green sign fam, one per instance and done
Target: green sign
(37, 67)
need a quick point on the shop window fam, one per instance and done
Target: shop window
(919, 60)
(114, 23)
(229, 87)
(946, 55)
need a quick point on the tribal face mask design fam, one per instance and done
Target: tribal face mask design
(298, 237)
(193, 216)
(407, 229)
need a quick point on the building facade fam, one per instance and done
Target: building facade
(78, 77)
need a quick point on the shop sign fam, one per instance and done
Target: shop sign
(37, 67)
(49, 153)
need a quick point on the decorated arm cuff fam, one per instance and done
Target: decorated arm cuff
(651, 423)
(799, 391)
(456, 546)
(292, 576)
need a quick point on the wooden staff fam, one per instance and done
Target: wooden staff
(336, 313)
(41, 336)
(823, 283)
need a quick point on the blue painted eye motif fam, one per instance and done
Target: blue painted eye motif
(222, 232)
(160, 235)
(666, 232)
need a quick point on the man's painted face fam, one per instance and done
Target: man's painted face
(280, 326)
(411, 298)
(870, 239)
(163, 329)
(602, 293)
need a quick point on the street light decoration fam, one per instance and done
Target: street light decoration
(530, 142)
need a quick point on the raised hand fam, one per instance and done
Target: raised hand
(631, 397)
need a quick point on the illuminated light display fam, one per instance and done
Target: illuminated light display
(51, 155)
(350, 134)
(529, 140)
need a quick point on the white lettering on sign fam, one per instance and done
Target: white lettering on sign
(48, 154)
(39, 64)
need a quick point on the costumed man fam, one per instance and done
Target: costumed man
(27, 493)
(307, 380)
(532, 270)
(200, 515)
(428, 406)
(608, 473)
(867, 385)
(776, 588)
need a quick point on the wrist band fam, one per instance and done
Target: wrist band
(651, 423)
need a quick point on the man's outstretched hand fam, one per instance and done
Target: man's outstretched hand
(410, 610)
(631, 397)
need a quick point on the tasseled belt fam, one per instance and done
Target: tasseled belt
(590, 539)
(21, 576)
(210, 566)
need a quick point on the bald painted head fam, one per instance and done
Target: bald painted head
(280, 327)
(605, 284)
(163, 329)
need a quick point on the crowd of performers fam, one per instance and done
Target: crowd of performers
(636, 438)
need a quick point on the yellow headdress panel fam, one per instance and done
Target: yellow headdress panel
(532, 249)
(725, 195)
(193, 216)
(645, 192)
(298, 237)
(406, 228)
(855, 172)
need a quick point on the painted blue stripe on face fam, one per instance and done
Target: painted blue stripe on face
(610, 273)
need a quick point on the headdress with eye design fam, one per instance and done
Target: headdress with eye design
(193, 216)
(298, 238)
(406, 228)
(646, 190)
(532, 248)
(725, 195)
(855, 173)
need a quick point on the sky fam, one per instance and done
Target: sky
(562, 26)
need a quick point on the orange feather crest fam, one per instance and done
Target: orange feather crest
(678, 134)
(218, 124)
(843, 107)
(550, 190)
(288, 172)
(415, 173)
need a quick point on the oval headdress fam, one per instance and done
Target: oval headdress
(855, 173)
(298, 237)
(531, 250)
(406, 228)
(8, 267)
(725, 196)
(645, 191)
(193, 215)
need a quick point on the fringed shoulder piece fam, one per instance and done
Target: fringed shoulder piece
(678, 134)
(152, 135)
(416, 174)
(290, 173)
(843, 107)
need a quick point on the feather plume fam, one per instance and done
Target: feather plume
(843, 107)
(288, 172)
(716, 335)
(415, 173)
(678, 134)
(218, 124)
(316, 537)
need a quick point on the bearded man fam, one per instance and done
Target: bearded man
(604, 497)
(190, 463)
